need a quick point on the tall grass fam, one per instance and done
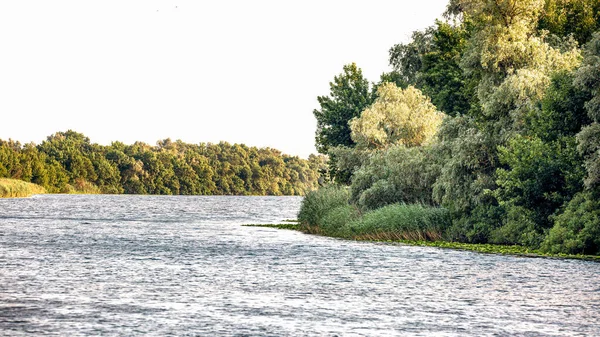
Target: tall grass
(412, 222)
(13, 188)
(317, 204)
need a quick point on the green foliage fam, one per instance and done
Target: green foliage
(406, 59)
(524, 114)
(468, 158)
(577, 229)
(398, 116)
(416, 222)
(579, 18)
(335, 221)
(587, 79)
(317, 204)
(441, 77)
(344, 161)
(348, 97)
(562, 113)
(539, 178)
(68, 162)
(396, 175)
(430, 62)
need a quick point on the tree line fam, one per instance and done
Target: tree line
(67, 162)
(491, 114)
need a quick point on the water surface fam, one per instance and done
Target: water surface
(73, 265)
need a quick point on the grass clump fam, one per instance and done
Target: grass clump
(412, 222)
(317, 204)
(291, 226)
(13, 188)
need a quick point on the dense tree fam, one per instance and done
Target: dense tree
(348, 97)
(69, 162)
(397, 116)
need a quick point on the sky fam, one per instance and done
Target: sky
(199, 71)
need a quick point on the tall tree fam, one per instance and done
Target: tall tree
(349, 96)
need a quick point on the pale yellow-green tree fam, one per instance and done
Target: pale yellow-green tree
(404, 117)
(514, 61)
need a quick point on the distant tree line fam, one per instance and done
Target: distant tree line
(67, 162)
(492, 114)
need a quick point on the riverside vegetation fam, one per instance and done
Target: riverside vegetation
(486, 132)
(67, 162)
(12, 188)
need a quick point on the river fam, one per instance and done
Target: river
(80, 265)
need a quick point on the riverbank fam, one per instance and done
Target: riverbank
(478, 248)
(13, 188)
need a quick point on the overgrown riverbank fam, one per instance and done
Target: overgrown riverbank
(12, 188)
(513, 250)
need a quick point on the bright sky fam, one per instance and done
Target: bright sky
(200, 71)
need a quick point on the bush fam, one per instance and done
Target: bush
(395, 175)
(577, 229)
(317, 204)
(337, 218)
(401, 221)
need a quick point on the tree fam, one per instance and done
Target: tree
(579, 18)
(397, 116)
(587, 79)
(349, 96)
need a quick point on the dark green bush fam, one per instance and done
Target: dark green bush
(577, 229)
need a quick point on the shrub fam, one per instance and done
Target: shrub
(317, 204)
(401, 221)
(336, 219)
(396, 175)
(577, 229)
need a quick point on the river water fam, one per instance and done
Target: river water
(73, 265)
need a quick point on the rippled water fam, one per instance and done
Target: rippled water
(183, 266)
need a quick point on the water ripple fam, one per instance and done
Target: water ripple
(182, 266)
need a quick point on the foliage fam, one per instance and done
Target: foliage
(406, 59)
(430, 62)
(539, 178)
(317, 204)
(68, 162)
(395, 175)
(344, 161)
(13, 188)
(397, 116)
(349, 96)
(587, 78)
(335, 221)
(562, 112)
(441, 77)
(468, 159)
(409, 222)
(577, 229)
(577, 18)
(523, 106)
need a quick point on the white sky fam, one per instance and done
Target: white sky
(200, 71)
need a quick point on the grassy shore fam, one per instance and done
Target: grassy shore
(13, 188)
(479, 248)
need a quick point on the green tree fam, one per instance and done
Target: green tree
(397, 116)
(348, 97)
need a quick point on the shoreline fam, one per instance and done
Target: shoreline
(518, 251)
